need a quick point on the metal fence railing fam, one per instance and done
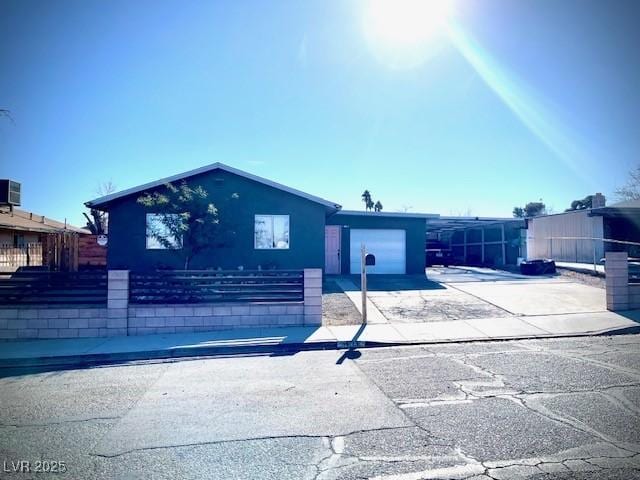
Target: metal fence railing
(586, 250)
(47, 288)
(13, 257)
(209, 286)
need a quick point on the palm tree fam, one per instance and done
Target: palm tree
(370, 204)
(378, 206)
(366, 198)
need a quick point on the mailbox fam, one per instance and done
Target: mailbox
(370, 260)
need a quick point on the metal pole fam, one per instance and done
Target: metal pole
(363, 281)
(595, 270)
(504, 246)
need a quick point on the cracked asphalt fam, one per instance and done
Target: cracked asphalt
(535, 409)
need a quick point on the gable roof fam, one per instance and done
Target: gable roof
(102, 201)
(24, 221)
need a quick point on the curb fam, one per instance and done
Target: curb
(96, 359)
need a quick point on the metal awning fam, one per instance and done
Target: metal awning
(449, 224)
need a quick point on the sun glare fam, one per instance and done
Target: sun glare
(404, 33)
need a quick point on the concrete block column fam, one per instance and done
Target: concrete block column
(313, 296)
(617, 280)
(117, 302)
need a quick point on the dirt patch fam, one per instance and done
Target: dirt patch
(337, 309)
(585, 278)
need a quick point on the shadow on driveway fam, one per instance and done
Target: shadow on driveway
(391, 283)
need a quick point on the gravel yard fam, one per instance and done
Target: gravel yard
(587, 279)
(337, 309)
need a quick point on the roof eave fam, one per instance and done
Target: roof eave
(101, 202)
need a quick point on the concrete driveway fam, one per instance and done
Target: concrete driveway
(465, 293)
(523, 295)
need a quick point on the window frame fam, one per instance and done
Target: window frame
(159, 246)
(273, 216)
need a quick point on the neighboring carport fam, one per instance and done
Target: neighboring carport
(487, 241)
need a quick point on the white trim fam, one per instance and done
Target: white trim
(214, 166)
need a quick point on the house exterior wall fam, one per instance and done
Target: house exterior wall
(6, 236)
(127, 228)
(415, 236)
(570, 224)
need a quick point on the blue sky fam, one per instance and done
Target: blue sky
(530, 99)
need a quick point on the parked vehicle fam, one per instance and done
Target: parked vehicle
(437, 253)
(538, 267)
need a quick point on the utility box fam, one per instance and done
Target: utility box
(9, 193)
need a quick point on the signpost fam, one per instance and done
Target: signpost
(363, 281)
(365, 259)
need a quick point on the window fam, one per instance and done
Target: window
(272, 232)
(157, 229)
(18, 240)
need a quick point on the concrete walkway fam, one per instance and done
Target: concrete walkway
(93, 351)
(582, 267)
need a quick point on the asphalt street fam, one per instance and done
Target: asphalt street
(537, 409)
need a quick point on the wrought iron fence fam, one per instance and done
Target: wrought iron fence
(588, 250)
(13, 257)
(204, 286)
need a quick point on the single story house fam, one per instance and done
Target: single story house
(273, 227)
(31, 240)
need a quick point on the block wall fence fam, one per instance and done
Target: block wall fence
(621, 295)
(120, 318)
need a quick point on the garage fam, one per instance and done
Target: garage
(388, 246)
(396, 239)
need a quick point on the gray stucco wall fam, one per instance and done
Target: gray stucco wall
(127, 229)
(415, 229)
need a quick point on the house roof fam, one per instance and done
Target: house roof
(628, 209)
(102, 201)
(361, 213)
(22, 220)
(626, 204)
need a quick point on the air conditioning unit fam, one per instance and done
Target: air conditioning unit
(9, 193)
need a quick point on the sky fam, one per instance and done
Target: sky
(505, 103)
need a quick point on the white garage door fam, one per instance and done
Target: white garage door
(389, 247)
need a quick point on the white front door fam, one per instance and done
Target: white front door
(388, 246)
(332, 249)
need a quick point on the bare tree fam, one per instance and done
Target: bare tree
(631, 190)
(97, 221)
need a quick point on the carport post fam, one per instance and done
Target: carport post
(363, 281)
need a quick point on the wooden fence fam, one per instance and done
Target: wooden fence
(47, 288)
(90, 254)
(206, 286)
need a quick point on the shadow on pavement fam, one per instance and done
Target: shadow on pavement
(391, 283)
(352, 353)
